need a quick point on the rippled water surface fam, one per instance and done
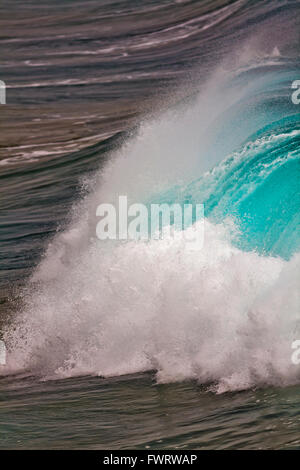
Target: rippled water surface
(147, 345)
(133, 412)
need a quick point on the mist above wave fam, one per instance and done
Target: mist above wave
(219, 315)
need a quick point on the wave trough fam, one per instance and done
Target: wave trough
(225, 315)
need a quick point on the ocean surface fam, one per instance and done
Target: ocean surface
(140, 344)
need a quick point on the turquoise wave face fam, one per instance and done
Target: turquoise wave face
(257, 187)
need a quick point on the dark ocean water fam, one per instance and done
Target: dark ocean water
(169, 101)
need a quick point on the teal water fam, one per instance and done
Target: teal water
(257, 187)
(149, 345)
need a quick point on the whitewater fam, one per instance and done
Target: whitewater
(225, 315)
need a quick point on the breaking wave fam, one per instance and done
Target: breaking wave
(225, 315)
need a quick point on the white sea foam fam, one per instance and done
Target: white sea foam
(218, 315)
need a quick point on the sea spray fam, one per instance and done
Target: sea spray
(225, 315)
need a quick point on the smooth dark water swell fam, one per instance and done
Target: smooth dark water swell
(80, 77)
(134, 413)
(78, 73)
(35, 200)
